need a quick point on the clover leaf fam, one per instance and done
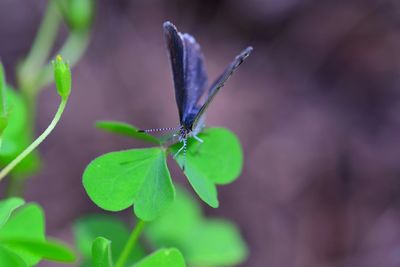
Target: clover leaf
(218, 160)
(140, 177)
(171, 257)
(7, 206)
(3, 102)
(203, 242)
(22, 236)
(9, 258)
(88, 228)
(48, 250)
(117, 180)
(126, 129)
(26, 222)
(16, 136)
(101, 252)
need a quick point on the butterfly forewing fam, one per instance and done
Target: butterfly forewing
(188, 71)
(214, 88)
(176, 48)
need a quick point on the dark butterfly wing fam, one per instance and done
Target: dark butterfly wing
(195, 76)
(176, 50)
(219, 83)
(188, 69)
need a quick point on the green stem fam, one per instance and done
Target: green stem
(29, 69)
(37, 142)
(129, 246)
(42, 44)
(15, 187)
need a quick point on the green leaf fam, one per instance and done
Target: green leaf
(177, 223)
(7, 206)
(163, 258)
(9, 258)
(13, 140)
(88, 228)
(25, 223)
(203, 186)
(3, 101)
(203, 242)
(117, 180)
(48, 250)
(101, 252)
(16, 136)
(126, 129)
(218, 160)
(218, 243)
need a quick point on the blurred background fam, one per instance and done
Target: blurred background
(316, 107)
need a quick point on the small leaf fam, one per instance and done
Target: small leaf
(203, 186)
(218, 243)
(7, 206)
(101, 252)
(203, 242)
(177, 223)
(25, 223)
(163, 258)
(17, 122)
(16, 136)
(9, 258)
(117, 180)
(88, 228)
(3, 101)
(48, 250)
(218, 160)
(126, 129)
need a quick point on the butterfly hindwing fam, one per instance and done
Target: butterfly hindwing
(196, 76)
(219, 83)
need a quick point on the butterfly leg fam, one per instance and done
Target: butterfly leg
(184, 153)
(179, 151)
(198, 139)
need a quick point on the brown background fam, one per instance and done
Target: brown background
(316, 107)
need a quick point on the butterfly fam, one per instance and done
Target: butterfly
(190, 82)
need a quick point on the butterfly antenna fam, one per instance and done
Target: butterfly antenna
(158, 130)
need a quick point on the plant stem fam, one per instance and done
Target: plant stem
(134, 236)
(29, 69)
(37, 142)
(15, 187)
(41, 47)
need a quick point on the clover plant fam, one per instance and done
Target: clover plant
(169, 227)
(22, 225)
(169, 216)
